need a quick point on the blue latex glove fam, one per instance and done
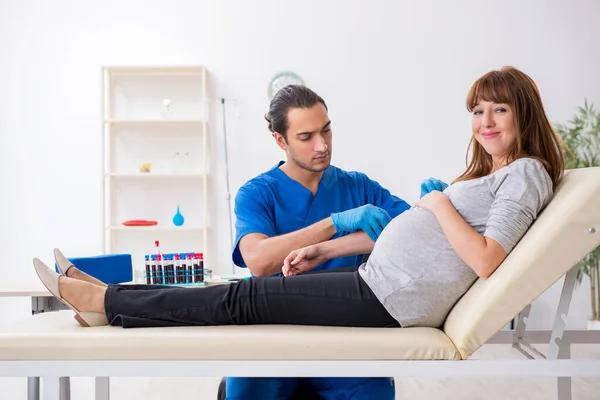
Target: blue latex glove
(368, 218)
(431, 184)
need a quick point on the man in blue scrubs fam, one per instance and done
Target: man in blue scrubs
(302, 201)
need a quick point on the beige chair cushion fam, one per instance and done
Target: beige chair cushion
(557, 240)
(57, 336)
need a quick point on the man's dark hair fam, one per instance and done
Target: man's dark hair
(291, 96)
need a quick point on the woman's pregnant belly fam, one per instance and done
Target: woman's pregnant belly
(405, 248)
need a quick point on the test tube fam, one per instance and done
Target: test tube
(165, 277)
(183, 265)
(148, 269)
(197, 272)
(153, 268)
(190, 271)
(183, 268)
(157, 271)
(170, 272)
(202, 270)
(160, 275)
(178, 275)
(172, 268)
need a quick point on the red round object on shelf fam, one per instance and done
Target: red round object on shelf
(139, 222)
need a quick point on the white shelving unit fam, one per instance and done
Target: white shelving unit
(149, 115)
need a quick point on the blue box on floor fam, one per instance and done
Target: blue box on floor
(109, 268)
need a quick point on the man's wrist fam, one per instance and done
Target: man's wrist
(330, 222)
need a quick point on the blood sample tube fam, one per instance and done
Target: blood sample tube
(183, 265)
(148, 269)
(160, 275)
(190, 266)
(166, 272)
(171, 268)
(153, 268)
(178, 275)
(201, 263)
(197, 273)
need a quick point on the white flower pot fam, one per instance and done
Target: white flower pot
(593, 325)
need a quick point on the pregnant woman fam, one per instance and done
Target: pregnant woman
(422, 263)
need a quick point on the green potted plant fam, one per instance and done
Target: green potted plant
(582, 137)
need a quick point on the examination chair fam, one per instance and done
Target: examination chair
(51, 345)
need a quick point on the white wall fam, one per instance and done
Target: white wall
(394, 74)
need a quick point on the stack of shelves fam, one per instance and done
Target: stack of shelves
(155, 159)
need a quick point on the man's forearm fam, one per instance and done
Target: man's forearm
(266, 258)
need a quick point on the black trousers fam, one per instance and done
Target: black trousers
(330, 298)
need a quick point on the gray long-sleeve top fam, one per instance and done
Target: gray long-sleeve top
(414, 271)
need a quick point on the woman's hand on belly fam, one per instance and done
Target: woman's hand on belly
(432, 201)
(303, 260)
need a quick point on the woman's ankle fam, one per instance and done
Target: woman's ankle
(99, 300)
(69, 272)
(75, 273)
(82, 295)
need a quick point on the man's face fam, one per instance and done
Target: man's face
(309, 138)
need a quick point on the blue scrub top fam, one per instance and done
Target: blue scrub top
(274, 204)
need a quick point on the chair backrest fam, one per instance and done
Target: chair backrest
(562, 235)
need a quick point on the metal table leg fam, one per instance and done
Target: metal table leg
(33, 388)
(102, 388)
(40, 305)
(65, 388)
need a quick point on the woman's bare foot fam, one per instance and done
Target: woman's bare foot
(75, 273)
(82, 295)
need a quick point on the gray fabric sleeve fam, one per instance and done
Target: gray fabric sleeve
(519, 197)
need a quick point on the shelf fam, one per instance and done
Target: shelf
(160, 122)
(139, 126)
(153, 175)
(156, 228)
(155, 70)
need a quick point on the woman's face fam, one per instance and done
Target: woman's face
(494, 127)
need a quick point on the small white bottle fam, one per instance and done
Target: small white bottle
(177, 163)
(186, 167)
